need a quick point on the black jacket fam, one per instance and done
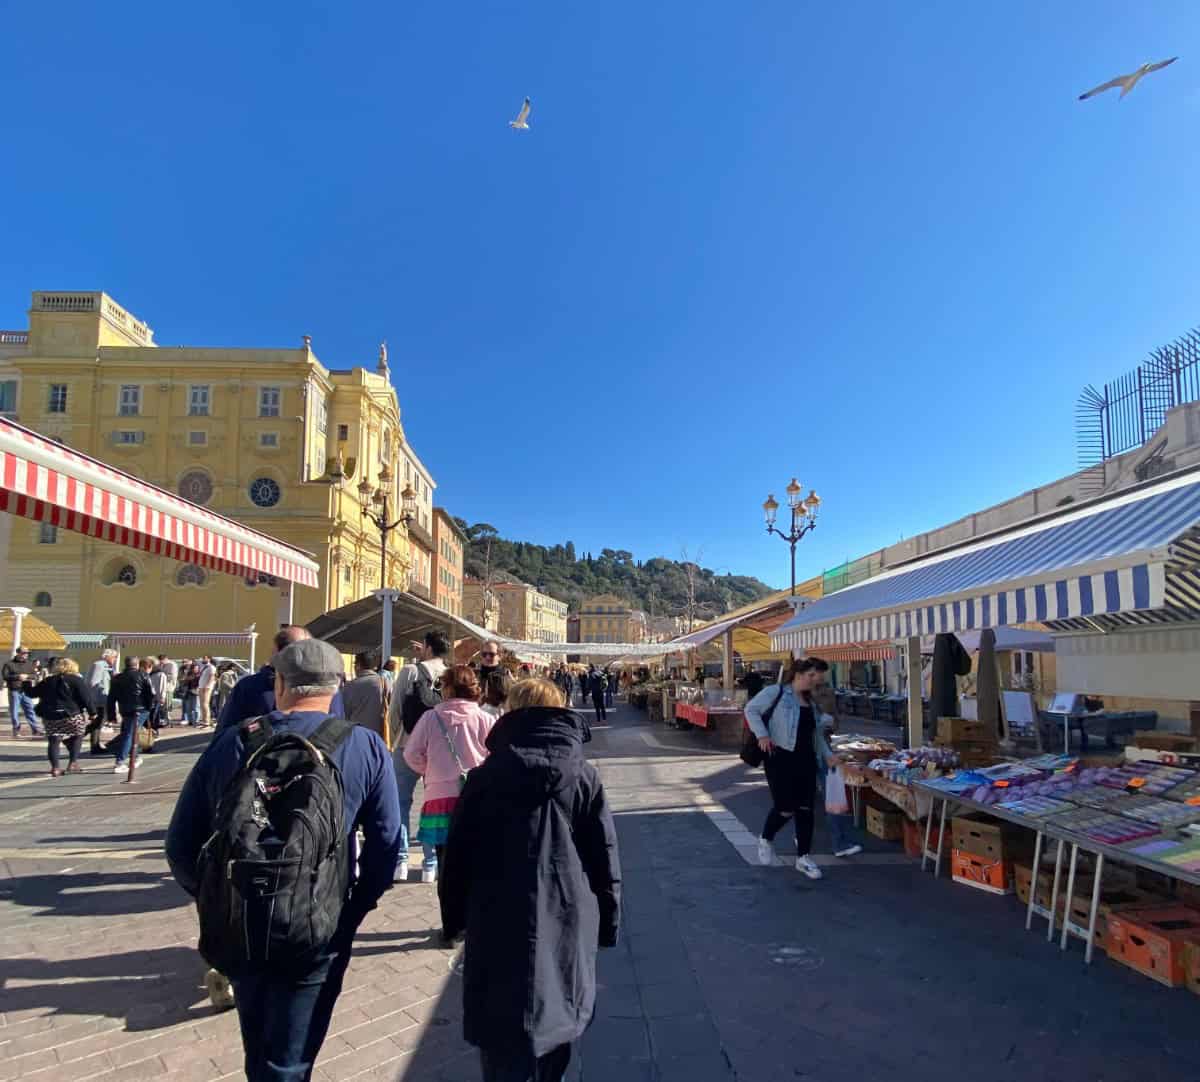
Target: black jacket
(129, 692)
(597, 683)
(63, 695)
(531, 873)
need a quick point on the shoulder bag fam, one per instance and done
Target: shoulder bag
(751, 754)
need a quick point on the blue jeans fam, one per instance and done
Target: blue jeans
(191, 709)
(19, 703)
(126, 737)
(842, 832)
(284, 1020)
(406, 785)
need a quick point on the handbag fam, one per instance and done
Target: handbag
(751, 754)
(462, 774)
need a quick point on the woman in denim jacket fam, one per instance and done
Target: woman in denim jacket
(793, 740)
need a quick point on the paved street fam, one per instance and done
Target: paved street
(725, 971)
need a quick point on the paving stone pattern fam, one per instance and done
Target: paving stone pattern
(725, 970)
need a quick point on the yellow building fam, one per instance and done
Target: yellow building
(251, 433)
(528, 614)
(606, 618)
(480, 605)
(449, 542)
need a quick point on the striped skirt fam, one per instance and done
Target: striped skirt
(435, 820)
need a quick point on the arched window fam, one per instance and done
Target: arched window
(119, 572)
(197, 486)
(191, 575)
(42, 600)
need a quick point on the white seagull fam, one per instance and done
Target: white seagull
(1128, 82)
(522, 121)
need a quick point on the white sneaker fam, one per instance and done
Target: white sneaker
(849, 851)
(220, 991)
(428, 875)
(805, 866)
(401, 875)
(121, 768)
(766, 852)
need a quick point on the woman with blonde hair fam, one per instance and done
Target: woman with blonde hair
(64, 705)
(446, 742)
(532, 847)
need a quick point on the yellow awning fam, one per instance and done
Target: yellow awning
(35, 634)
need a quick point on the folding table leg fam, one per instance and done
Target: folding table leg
(1091, 936)
(1054, 891)
(1066, 928)
(937, 864)
(1037, 860)
(928, 831)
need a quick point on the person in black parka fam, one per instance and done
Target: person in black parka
(532, 876)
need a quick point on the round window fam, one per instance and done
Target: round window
(42, 600)
(191, 575)
(261, 579)
(264, 491)
(197, 486)
(127, 576)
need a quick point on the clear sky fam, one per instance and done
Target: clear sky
(880, 245)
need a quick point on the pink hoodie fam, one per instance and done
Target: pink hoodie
(427, 752)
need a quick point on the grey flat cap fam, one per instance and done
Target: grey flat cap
(309, 661)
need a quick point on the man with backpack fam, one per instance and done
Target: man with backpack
(263, 837)
(415, 692)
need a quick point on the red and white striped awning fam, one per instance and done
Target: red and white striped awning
(44, 480)
(853, 651)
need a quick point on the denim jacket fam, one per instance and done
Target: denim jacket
(785, 721)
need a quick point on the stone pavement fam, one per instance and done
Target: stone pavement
(725, 970)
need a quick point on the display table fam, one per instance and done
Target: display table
(725, 721)
(1043, 829)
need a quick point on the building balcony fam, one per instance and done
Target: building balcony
(14, 338)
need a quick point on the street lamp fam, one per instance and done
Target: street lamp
(804, 518)
(378, 497)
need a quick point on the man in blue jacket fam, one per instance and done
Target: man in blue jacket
(284, 1019)
(254, 695)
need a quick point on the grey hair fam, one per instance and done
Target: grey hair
(307, 691)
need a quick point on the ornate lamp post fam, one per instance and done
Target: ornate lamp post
(379, 498)
(804, 518)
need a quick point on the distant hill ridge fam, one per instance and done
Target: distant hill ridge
(660, 587)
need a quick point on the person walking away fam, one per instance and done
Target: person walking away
(190, 698)
(495, 693)
(785, 721)
(535, 804)
(19, 680)
(130, 694)
(448, 741)
(416, 691)
(596, 688)
(364, 700)
(610, 686)
(65, 705)
(159, 685)
(388, 672)
(286, 949)
(254, 695)
(99, 678)
(171, 670)
(227, 680)
(205, 686)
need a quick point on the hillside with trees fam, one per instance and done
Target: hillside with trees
(660, 587)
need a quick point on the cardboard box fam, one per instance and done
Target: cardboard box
(994, 839)
(914, 838)
(1164, 741)
(953, 730)
(1023, 879)
(1112, 900)
(1191, 965)
(1152, 941)
(971, 870)
(888, 825)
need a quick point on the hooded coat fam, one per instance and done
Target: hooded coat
(531, 874)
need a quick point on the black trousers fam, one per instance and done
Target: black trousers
(598, 703)
(506, 1066)
(72, 743)
(792, 779)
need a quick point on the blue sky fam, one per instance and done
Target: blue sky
(882, 247)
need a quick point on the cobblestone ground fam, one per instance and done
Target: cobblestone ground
(726, 971)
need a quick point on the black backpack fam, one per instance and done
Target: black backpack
(424, 696)
(275, 872)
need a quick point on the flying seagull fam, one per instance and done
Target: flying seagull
(522, 121)
(1127, 82)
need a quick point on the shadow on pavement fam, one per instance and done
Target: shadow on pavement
(158, 836)
(91, 894)
(150, 989)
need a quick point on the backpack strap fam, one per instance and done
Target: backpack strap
(770, 710)
(255, 733)
(330, 734)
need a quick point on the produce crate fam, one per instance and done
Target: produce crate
(914, 837)
(950, 731)
(888, 825)
(1191, 965)
(1112, 900)
(1152, 941)
(1023, 880)
(992, 839)
(971, 870)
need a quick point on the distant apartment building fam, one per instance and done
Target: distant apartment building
(528, 614)
(449, 544)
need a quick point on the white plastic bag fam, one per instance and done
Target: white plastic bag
(836, 802)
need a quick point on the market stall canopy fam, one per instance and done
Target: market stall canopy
(1007, 638)
(1134, 555)
(41, 479)
(359, 625)
(764, 617)
(35, 634)
(860, 651)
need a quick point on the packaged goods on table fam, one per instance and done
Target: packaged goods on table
(1036, 807)
(1101, 826)
(1185, 790)
(1151, 779)
(1163, 813)
(1182, 853)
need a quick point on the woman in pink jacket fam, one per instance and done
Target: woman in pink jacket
(446, 742)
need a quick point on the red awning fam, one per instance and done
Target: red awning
(44, 480)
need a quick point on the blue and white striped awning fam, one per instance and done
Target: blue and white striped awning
(1132, 552)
